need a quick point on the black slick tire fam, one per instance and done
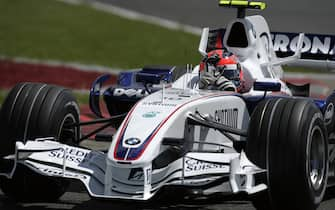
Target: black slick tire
(30, 111)
(288, 138)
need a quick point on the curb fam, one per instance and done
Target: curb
(18, 70)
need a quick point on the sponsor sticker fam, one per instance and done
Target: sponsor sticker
(171, 98)
(315, 46)
(159, 104)
(74, 155)
(193, 165)
(137, 93)
(58, 172)
(227, 117)
(151, 114)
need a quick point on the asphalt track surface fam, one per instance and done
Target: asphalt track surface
(308, 16)
(284, 15)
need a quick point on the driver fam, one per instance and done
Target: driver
(220, 70)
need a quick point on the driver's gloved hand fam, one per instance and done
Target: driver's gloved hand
(206, 79)
(224, 84)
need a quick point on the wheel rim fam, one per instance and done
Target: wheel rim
(68, 134)
(317, 158)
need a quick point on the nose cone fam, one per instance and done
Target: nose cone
(139, 129)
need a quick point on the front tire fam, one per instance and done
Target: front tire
(288, 137)
(30, 111)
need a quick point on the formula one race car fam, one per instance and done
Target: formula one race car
(268, 143)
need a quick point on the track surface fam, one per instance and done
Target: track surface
(77, 199)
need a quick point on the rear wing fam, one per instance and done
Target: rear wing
(317, 50)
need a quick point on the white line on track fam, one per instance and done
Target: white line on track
(133, 15)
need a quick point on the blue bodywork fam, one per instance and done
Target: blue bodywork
(131, 86)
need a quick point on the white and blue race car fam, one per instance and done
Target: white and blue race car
(267, 142)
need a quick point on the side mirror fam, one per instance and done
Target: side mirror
(267, 86)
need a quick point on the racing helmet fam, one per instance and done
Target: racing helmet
(223, 63)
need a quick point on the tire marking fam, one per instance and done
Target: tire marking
(29, 113)
(15, 99)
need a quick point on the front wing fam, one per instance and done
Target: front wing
(104, 179)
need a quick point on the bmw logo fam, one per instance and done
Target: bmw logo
(132, 141)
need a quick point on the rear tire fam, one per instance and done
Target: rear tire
(288, 137)
(30, 111)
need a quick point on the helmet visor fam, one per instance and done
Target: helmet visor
(229, 71)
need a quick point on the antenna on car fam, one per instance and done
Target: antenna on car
(242, 5)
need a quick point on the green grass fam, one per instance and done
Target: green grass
(3, 94)
(49, 29)
(82, 97)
